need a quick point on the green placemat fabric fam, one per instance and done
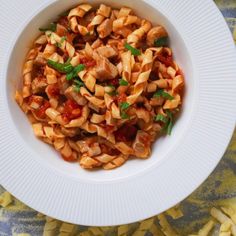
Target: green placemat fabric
(19, 220)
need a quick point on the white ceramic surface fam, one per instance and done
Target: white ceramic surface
(36, 174)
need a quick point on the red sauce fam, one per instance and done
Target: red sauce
(88, 62)
(109, 150)
(71, 158)
(41, 111)
(126, 133)
(38, 70)
(165, 60)
(71, 110)
(121, 98)
(64, 21)
(53, 90)
(114, 82)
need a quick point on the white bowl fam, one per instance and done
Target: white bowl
(140, 188)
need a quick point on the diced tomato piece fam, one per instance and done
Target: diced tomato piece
(71, 110)
(168, 61)
(64, 21)
(53, 90)
(121, 98)
(88, 62)
(126, 133)
(71, 158)
(41, 111)
(114, 82)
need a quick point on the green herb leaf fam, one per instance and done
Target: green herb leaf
(161, 42)
(124, 106)
(170, 124)
(113, 93)
(161, 118)
(124, 116)
(162, 93)
(75, 71)
(68, 60)
(63, 39)
(79, 68)
(58, 44)
(78, 84)
(111, 86)
(133, 50)
(70, 76)
(52, 27)
(123, 82)
(63, 68)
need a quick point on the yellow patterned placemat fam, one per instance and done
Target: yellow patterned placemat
(210, 210)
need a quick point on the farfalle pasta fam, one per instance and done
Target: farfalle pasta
(100, 85)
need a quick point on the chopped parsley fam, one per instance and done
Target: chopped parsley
(63, 39)
(167, 120)
(75, 71)
(52, 27)
(124, 106)
(63, 68)
(70, 71)
(78, 84)
(123, 82)
(161, 42)
(124, 116)
(133, 50)
(161, 118)
(162, 93)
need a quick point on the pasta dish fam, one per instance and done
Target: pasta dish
(100, 85)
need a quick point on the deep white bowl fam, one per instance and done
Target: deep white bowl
(140, 188)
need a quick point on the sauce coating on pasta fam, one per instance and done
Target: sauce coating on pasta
(100, 85)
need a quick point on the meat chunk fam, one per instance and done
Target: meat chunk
(105, 28)
(154, 34)
(105, 69)
(107, 51)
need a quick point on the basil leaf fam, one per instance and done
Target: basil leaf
(63, 68)
(123, 82)
(162, 93)
(161, 118)
(52, 27)
(133, 50)
(161, 42)
(124, 106)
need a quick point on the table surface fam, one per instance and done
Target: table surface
(18, 219)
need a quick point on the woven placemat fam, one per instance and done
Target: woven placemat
(189, 216)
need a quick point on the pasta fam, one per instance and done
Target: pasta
(100, 85)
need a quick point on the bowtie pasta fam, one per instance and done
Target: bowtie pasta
(100, 85)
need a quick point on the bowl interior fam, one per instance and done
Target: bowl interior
(43, 152)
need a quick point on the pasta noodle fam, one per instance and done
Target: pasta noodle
(99, 85)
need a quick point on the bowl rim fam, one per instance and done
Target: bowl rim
(136, 185)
